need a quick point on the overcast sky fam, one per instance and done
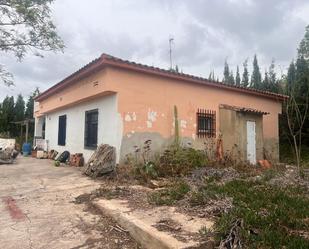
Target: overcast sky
(205, 32)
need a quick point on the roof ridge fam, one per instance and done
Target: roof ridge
(106, 58)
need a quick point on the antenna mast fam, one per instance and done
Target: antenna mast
(170, 43)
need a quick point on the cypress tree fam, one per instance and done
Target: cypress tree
(231, 78)
(19, 109)
(8, 115)
(30, 104)
(291, 77)
(265, 83)
(245, 75)
(303, 50)
(226, 73)
(256, 77)
(237, 78)
(273, 82)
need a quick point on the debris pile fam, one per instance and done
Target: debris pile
(7, 156)
(7, 151)
(102, 161)
(77, 160)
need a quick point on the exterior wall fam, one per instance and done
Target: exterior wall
(89, 88)
(233, 127)
(109, 126)
(146, 105)
(145, 108)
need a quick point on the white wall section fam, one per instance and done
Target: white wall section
(109, 126)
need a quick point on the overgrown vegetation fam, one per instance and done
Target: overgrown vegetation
(273, 217)
(174, 161)
(179, 161)
(170, 195)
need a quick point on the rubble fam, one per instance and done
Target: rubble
(102, 161)
(77, 160)
(8, 155)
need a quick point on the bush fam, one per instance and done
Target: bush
(179, 161)
(171, 195)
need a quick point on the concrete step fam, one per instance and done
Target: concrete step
(140, 224)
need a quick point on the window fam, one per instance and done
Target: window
(91, 129)
(206, 123)
(62, 126)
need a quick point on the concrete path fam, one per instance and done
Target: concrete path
(37, 209)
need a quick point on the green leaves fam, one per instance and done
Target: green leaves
(26, 26)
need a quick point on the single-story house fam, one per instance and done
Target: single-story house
(123, 104)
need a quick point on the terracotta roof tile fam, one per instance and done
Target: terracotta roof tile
(243, 109)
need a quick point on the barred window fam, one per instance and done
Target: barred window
(206, 123)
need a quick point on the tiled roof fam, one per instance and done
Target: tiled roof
(108, 60)
(243, 109)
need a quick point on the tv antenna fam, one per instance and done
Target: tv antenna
(171, 40)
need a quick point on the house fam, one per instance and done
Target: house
(123, 104)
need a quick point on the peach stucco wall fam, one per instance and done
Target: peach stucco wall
(86, 89)
(146, 103)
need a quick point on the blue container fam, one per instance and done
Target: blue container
(26, 149)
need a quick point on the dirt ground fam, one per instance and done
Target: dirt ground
(39, 210)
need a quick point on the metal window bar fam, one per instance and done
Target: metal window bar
(206, 123)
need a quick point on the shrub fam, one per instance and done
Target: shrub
(179, 161)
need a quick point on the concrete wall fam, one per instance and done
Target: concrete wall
(109, 126)
(146, 104)
(233, 128)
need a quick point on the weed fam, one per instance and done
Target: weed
(204, 194)
(269, 174)
(204, 231)
(178, 161)
(170, 195)
(270, 211)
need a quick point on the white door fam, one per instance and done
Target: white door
(251, 143)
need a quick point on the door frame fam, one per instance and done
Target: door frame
(251, 157)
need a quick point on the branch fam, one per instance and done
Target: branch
(6, 77)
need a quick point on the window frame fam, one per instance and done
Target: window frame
(206, 127)
(87, 144)
(62, 134)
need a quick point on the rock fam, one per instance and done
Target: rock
(102, 161)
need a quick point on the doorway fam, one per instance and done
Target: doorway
(251, 142)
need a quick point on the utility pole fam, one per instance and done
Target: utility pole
(170, 43)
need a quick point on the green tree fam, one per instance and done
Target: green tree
(256, 77)
(19, 109)
(237, 78)
(265, 82)
(226, 73)
(30, 104)
(7, 116)
(291, 76)
(231, 78)
(273, 82)
(26, 26)
(303, 49)
(245, 75)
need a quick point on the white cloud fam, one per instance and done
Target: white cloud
(206, 32)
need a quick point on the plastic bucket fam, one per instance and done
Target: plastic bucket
(26, 149)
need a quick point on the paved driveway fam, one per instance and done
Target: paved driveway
(36, 208)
